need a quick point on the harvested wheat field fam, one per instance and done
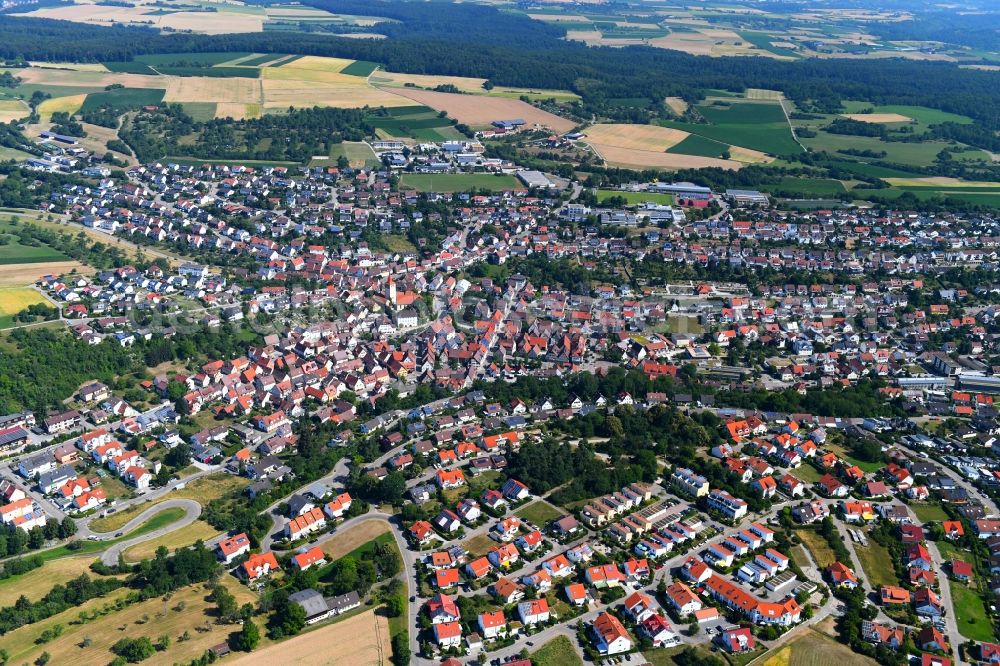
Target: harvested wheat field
(349, 92)
(635, 137)
(236, 90)
(677, 105)
(12, 109)
(463, 83)
(479, 110)
(940, 181)
(74, 66)
(879, 117)
(237, 111)
(362, 640)
(589, 37)
(646, 159)
(763, 93)
(88, 79)
(749, 156)
(21, 274)
(308, 68)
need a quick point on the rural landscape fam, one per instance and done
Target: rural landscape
(493, 332)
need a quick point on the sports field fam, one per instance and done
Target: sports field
(458, 182)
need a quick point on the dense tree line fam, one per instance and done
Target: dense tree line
(55, 601)
(860, 400)
(507, 50)
(294, 136)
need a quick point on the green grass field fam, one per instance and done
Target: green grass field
(358, 153)
(757, 125)
(457, 182)
(539, 513)
(216, 72)
(877, 564)
(970, 613)
(200, 111)
(927, 512)
(130, 68)
(12, 154)
(123, 98)
(208, 59)
(809, 186)
(15, 253)
(259, 60)
(360, 68)
(634, 198)
(557, 652)
(699, 145)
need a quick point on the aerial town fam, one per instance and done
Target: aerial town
(792, 414)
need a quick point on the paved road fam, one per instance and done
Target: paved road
(191, 512)
(950, 623)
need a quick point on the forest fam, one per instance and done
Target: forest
(507, 50)
(295, 136)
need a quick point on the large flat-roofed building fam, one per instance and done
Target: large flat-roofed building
(532, 178)
(747, 197)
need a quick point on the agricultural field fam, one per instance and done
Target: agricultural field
(361, 640)
(634, 137)
(647, 146)
(480, 111)
(16, 299)
(757, 125)
(203, 17)
(419, 123)
(458, 182)
(699, 145)
(12, 109)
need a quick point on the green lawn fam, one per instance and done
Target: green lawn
(539, 513)
(557, 652)
(970, 613)
(877, 564)
(457, 182)
(633, 198)
(928, 513)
